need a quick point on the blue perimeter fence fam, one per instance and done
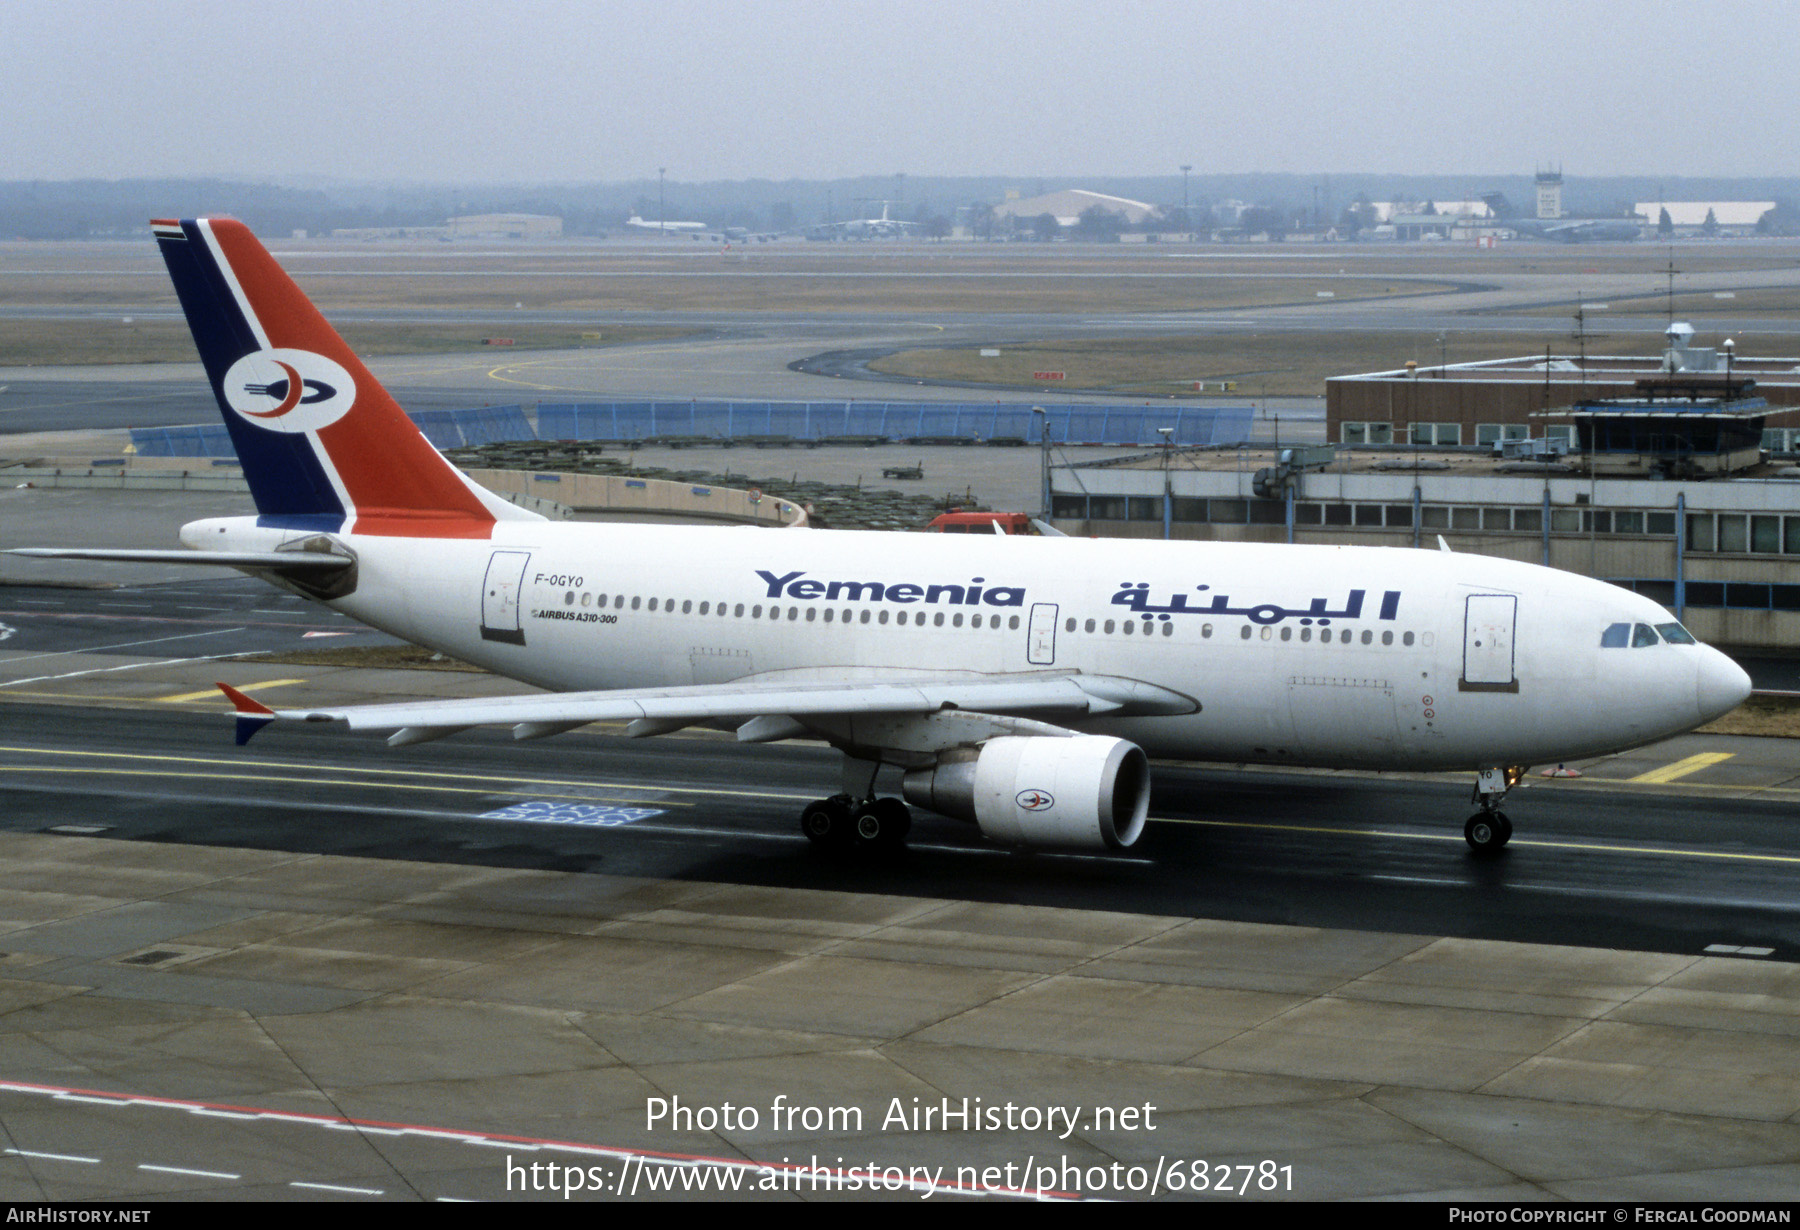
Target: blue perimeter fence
(798, 420)
(817, 420)
(444, 428)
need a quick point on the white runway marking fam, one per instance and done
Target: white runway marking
(63, 653)
(54, 1157)
(333, 1187)
(134, 666)
(182, 1170)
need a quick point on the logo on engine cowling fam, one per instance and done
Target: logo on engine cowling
(1035, 800)
(289, 390)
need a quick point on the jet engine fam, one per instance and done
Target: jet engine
(1085, 791)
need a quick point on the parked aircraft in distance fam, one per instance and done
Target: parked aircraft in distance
(638, 223)
(1580, 230)
(1020, 682)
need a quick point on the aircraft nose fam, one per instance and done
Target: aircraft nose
(1720, 685)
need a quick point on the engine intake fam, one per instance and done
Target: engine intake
(1084, 792)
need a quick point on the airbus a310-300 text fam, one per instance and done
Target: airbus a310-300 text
(1021, 683)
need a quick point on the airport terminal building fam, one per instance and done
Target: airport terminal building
(1489, 402)
(1724, 554)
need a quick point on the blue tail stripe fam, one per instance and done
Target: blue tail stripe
(285, 476)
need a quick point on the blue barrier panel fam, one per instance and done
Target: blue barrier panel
(712, 419)
(787, 418)
(1010, 423)
(827, 418)
(936, 421)
(632, 420)
(671, 418)
(205, 441)
(1084, 423)
(1232, 425)
(903, 420)
(862, 418)
(1125, 427)
(440, 427)
(742, 418)
(495, 425)
(600, 421)
(556, 422)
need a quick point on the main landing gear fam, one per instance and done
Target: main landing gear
(1488, 830)
(845, 823)
(854, 820)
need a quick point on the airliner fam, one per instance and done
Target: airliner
(883, 227)
(1019, 682)
(637, 223)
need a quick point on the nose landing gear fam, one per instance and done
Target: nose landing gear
(1488, 830)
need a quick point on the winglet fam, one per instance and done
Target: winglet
(252, 715)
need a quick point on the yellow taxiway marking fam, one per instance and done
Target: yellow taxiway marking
(494, 374)
(1542, 843)
(1681, 768)
(215, 694)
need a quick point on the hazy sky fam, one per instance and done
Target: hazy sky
(517, 90)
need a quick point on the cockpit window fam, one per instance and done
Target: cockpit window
(1616, 636)
(1643, 635)
(1675, 634)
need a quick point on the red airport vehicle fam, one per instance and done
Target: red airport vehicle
(981, 523)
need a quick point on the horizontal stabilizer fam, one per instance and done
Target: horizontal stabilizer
(252, 715)
(310, 561)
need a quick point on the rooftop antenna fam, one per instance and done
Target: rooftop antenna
(1672, 285)
(1581, 340)
(1546, 382)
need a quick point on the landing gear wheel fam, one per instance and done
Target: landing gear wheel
(827, 823)
(1487, 831)
(881, 824)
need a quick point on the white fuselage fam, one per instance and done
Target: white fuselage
(1324, 656)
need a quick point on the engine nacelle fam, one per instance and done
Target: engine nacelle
(1087, 792)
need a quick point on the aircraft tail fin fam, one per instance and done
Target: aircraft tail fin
(323, 445)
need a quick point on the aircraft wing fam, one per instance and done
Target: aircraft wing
(659, 710)
(311, 560)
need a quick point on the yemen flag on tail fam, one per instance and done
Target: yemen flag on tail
(323, 445)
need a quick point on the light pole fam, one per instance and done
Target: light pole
(1044, 453)
(1185, 168)
(662, 213)
(1167, 434)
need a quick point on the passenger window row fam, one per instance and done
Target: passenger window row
(810, 614)
(1326, 636)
